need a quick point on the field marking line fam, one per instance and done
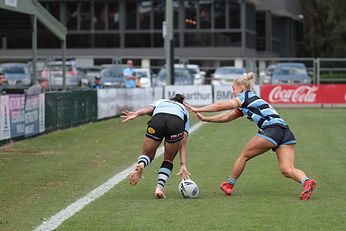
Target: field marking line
(55, 221)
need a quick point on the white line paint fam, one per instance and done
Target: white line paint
(56, 220)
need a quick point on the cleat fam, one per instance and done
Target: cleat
(159, 194)
(309, 186)
(227, 188)
(136, 174)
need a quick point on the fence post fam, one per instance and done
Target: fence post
(318, 65)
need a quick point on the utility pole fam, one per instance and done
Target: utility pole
(167, 31)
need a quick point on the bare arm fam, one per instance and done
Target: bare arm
(222, 118)
(233, 103)
(183, 172)
(130, 115)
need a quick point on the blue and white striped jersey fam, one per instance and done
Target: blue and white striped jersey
(259, 111)
(174, 108)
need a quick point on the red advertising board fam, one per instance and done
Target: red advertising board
(304, 94)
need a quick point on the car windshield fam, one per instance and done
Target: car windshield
(13, 70)
(112, 73)
(178, 74)
(193, 71)
(290, 71)
(59, 68)
(142, 74)
(237, 71)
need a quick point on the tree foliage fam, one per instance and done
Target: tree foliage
(325, 27)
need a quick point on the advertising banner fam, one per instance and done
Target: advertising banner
(42, 117)
(194, 95)
(32, 105)
(5, 125)
(17, 115)
(304, 94)
(106, 103)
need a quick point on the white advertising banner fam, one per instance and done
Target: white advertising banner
(5, 128)
(224, 93)
(194, 95)
(106, 103)
(42, 117)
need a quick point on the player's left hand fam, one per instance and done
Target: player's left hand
(183, 172)
(129, 115)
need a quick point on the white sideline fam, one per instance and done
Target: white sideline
(56, 220)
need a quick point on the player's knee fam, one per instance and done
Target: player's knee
(285, 171)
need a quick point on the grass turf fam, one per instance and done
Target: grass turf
(41, 176)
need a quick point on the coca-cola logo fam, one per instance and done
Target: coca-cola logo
(302, 94)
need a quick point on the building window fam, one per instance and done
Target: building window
(138, 40)
(71, 15)
(100, 15)
(190, 14)
(220, 14)
(260, 31)
(144, 14)
(113, 16)
(198, 39)
(159, 13)
(205, 16)
(234, 14)
(227, 39)
(131, 15)
(85, 16)
(79, 41)
(106, 40)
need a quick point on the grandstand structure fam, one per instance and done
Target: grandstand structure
(98, 30)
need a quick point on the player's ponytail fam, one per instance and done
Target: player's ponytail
(247, 80)
(178, 98)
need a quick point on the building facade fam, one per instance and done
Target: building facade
(100, 29)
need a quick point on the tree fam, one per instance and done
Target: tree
(325, 27)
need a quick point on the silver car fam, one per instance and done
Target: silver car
(290, 73)
(226, 75)
(16, 74)
(53, 72)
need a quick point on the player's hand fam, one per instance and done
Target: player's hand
(128, 115)
(183, 172)
(200, 116)
(189, 107)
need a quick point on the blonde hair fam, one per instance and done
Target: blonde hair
(247, 80)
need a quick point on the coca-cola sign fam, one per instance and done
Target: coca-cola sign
(304, 94)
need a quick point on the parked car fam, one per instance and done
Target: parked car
(112, 76)
(53, 72)
(89, 74)
(195, 71)
(290, 73)
(181, 77)
(145, 75)
(16, 74)
(225, 75)
(266, 77)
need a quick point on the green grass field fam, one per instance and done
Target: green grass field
(41, 176)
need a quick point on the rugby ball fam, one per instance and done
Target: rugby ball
(188, 188)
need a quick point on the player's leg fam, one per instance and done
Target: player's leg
(171, 150)
(285, 155)
(148, 154)
(152, 140)
(256, 146)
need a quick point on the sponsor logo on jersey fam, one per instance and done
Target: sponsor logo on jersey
(151, 130)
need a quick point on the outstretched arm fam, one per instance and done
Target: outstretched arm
(230, 104)
(222, 118)
(130, 115)
(183, 172)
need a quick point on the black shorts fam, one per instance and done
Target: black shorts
(168, 126)
(278, 135)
